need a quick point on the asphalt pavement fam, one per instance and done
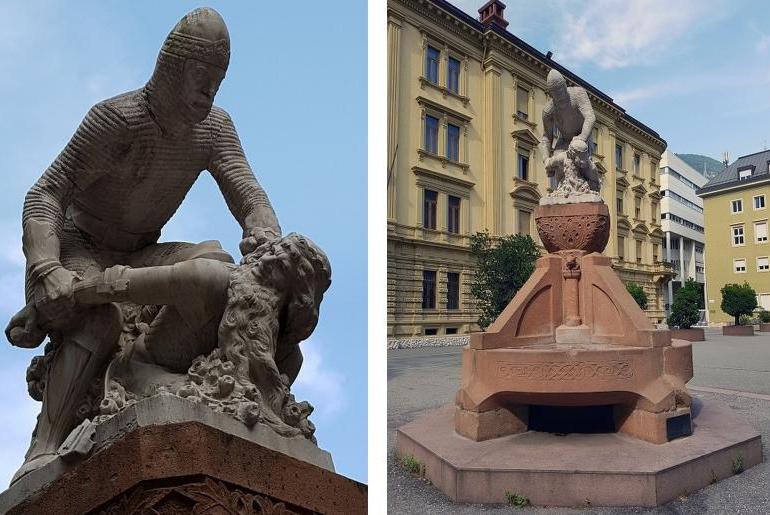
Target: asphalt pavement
(733, 370)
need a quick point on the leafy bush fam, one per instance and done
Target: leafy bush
(503, 265)
(684, 309)
(738, 299)
(764, 316)
(637, 292)
(746, 320)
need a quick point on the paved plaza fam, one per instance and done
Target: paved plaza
(734, 370)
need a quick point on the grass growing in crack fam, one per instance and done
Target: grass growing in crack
(738, 464)
(517, 500)
(411, 464)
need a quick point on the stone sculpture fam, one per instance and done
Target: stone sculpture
(129, 317)
(568, 122)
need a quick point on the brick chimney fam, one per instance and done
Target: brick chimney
(492, 12)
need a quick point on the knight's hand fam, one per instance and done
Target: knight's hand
(23, 330)
(578, 145)
(54, 297)
(256, 237)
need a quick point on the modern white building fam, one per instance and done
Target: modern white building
(682, 222)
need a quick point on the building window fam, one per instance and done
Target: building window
(453, 214)
(638, 207)
(431, 331)
(522, 103)
(739, 266)
(759, 202)
(638, 251)
(524, 221)
(653, 170)
(738, 239)
(736, 206)
(618, 156)
(429, 209)
(452, 290)
(637, 164)
(453, 142)
(451, 330)
(552, 182)
(760, 231)
(619, 203)
(453, 75)
(744, 174)
(523, 165)
(621, 247)
(655, 253)
(595, 140)
(428, 289)
(763, 264)
(431, 134)
(431, 64)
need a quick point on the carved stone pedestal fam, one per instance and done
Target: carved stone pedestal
(571, 354)
(187, 467)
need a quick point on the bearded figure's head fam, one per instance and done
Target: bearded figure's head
(191, 65)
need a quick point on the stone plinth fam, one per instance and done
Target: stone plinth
(738, 330)
(609, 469)
(193, 457)
(693, 334)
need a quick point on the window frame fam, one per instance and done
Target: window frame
(450, 58)
(425, 148)
(767, 264)
(619, 157)
(764, 202)
(742, 235)
(425, 71)
(451, 221)
(426, 301)
(732, 206)
(450, 291)
(735, 267)
(426, 207)
(767, 231)
(459, 128)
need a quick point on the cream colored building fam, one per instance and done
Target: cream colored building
(465, 101)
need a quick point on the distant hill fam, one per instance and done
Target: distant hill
(700, 163)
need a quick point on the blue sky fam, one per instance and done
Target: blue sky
(697, 71)
(297, 92)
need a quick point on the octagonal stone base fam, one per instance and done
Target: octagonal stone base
(608, 469)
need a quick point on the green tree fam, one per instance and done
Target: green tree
(503, 265)
(684, 309)
(738, 299)
(637, 292)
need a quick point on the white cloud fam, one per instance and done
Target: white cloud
(619, 33)
(319, 383)
(763, 44)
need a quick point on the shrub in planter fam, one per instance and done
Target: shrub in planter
(738, 299)
(764, 317)
(684, 309)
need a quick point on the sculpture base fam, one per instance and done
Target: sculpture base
(195, 454)
(607, 469)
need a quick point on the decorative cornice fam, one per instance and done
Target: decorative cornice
(423, 102)
(434, 174)
(527, 136)
(443, 90)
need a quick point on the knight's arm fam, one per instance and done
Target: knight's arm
(589, 118)
(75, 168)
(245, 198)
(546, 142)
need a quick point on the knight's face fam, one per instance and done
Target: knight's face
(200, 83)
(559, 95)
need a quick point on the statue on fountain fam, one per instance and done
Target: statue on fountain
(128, 317)
(568, 122)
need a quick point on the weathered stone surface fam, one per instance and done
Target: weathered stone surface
(693, 334)
(607, 469)
(738, 330)
(188, 467)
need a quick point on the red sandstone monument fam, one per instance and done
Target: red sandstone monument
(572, 396)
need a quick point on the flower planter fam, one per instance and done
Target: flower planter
(738, 330)
(764, 328)
(693, 334)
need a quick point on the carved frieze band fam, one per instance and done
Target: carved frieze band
(565, 371)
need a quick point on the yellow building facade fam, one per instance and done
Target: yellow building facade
(735, 205)
(465, 101)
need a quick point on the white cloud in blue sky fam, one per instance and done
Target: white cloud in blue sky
(296, 89)
(696, 71)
